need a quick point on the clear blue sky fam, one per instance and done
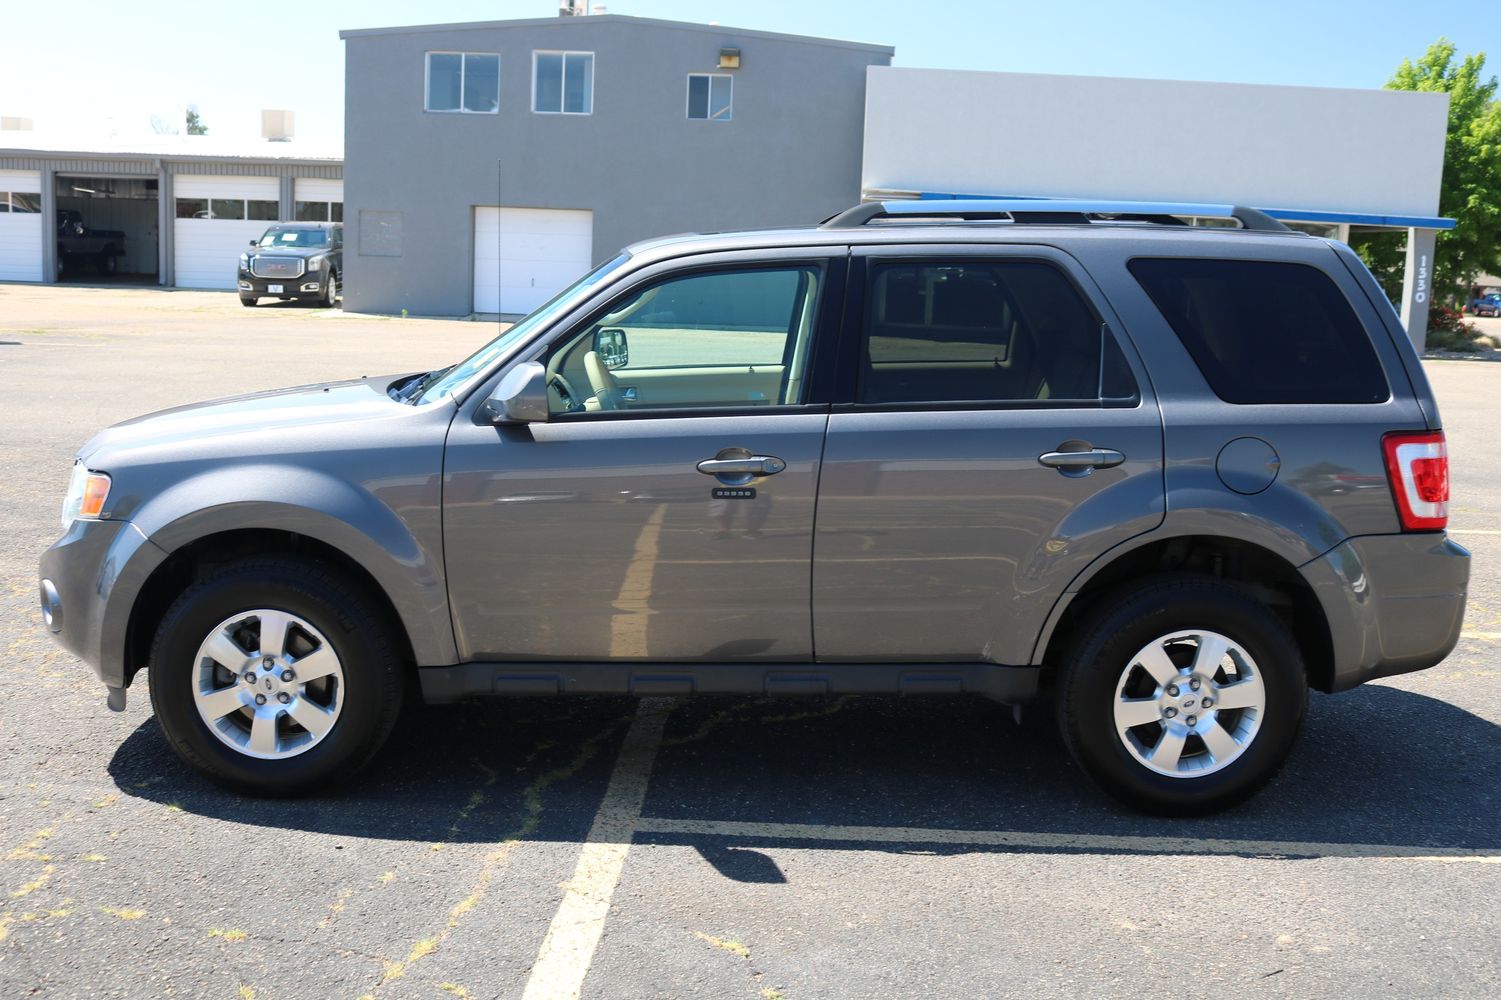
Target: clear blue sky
(87, 64)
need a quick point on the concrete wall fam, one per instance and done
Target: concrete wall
(790, 155)
(1360, 151)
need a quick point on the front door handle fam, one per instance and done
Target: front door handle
(1074, 461)
(755, 465)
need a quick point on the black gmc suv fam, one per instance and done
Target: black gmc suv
(294, 260)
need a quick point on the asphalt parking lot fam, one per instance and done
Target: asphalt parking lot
(742, 848)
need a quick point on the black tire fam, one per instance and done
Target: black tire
(1124, 623)
(107, 262)
(248, 301)
(331, 291)
(373, 670)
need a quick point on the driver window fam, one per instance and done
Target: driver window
(724, 338)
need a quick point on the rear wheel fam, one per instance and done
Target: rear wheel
(275, 676)
(1183, 695)
(107, 261)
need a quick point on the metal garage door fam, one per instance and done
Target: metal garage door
(318, 199)
(217, 217)
(20, 225)
(525, 256)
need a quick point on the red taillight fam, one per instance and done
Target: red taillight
(1417, 466)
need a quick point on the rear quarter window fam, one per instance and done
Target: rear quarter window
(1265, 331)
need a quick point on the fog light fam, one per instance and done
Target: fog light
(311, 286)
(52, 607)
(245, 285)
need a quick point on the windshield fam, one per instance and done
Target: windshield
(446, 382)
(278, 237)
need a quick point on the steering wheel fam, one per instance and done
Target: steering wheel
(572, 402)
(602, 381)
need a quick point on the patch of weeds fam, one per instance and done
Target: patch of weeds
(724, 944)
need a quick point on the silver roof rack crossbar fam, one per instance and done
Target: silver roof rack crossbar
(1042, 211)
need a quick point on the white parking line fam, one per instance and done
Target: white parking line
(563, 961)
(1088, 843)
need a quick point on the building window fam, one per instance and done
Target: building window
(320, 211)
(20, 202)
(709, 96)
(256, 210)
(463, 82)
(563, 83)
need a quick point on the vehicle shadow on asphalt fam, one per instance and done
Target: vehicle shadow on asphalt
(1376, 766)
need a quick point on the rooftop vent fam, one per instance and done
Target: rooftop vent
(278, 125)
(9, 124)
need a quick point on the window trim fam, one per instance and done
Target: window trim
(853, 333)
(427, 82)
(563, 81)
(709, 97)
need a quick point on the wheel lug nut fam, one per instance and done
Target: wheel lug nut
(260, 699)
(1208, 702)
(1194, 684)
(1173, 690)
(1171, 713)
(287, 675)
(283, 697)
(1192, 720)
(268, 663)
(249, 677)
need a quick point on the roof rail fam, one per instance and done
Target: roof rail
(1047, 211)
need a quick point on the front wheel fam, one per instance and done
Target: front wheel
(331, 290)
(275, 675)
(1183, 696)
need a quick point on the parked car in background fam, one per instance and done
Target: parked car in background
(77, 243)
(294, 260)
(1485, 305)
(1168, 477)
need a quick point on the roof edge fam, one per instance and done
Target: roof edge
(652, 22)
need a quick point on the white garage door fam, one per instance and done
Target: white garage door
(319, 199)
(217, 217)
(20, 230)
(525, 256)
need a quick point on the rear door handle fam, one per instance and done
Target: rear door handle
(1095, 458)
(755, 465)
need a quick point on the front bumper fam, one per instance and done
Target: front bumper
(310, 286)
(89, 580)
(1394, 603)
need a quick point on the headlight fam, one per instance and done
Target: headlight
(314, 263)
(87, 492)
(244, 262)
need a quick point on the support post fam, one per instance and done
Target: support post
(1417, 285)
(49, 225)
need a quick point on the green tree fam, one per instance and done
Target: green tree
(1471, 189)
(195, 123)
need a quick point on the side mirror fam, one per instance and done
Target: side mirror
(611, 346)
(252, 242)
(520, 397)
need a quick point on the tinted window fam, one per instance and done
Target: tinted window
(260, 210)
(1265, 331)
(228, 208)
(21, 201)
(984, 331)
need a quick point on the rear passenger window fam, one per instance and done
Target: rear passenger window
(1266, 331)
(985, 331)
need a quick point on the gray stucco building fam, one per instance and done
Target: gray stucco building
(489, 164)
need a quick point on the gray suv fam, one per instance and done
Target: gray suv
(1169, 477)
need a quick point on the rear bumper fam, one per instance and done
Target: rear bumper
(1394, 603)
